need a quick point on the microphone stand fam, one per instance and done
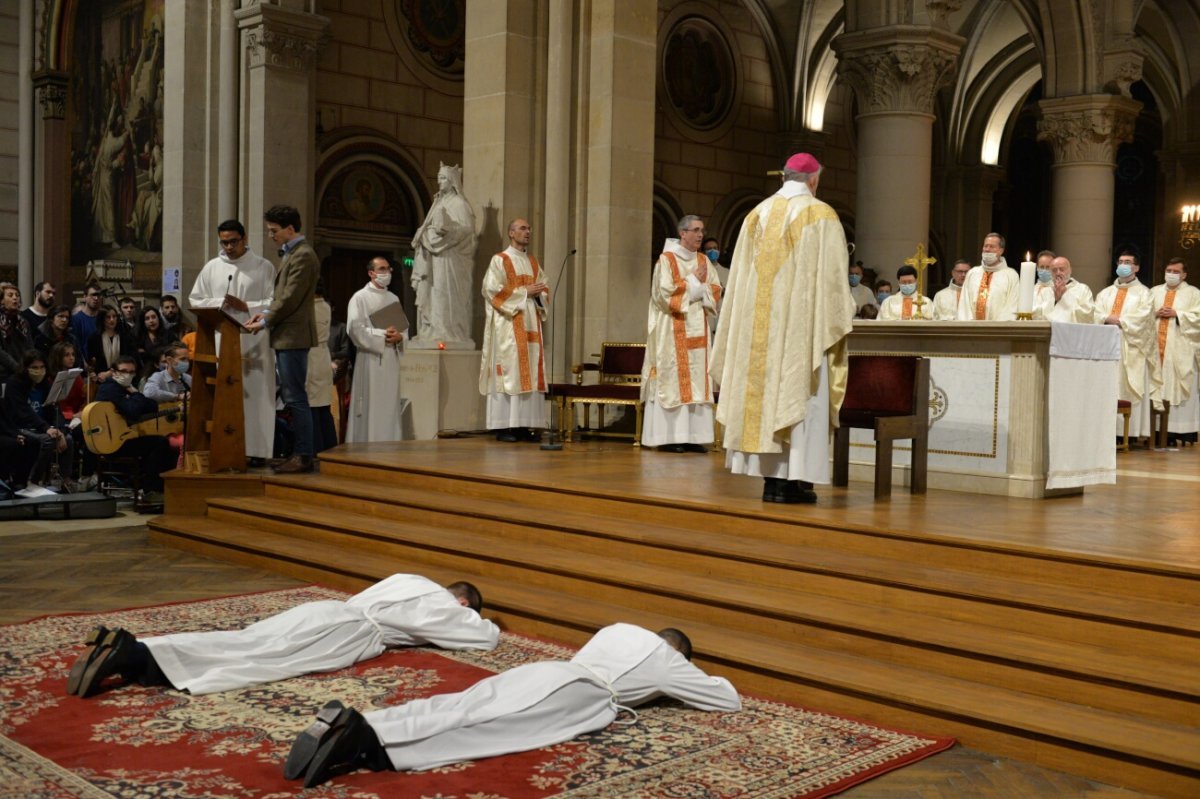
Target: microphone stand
(553, 444)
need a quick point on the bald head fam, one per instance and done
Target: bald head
(1060, 269)
(519, 233)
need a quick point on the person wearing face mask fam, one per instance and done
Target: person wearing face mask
(245, 274)
(883, 290)
(907, 304)
(172, 383)
(945, 302)
(1177, 334)
(153, 453)
(24, 399)
(375, 403)
(1127, 305)
(990, 290)
(1043, 287)
(712, 251)
(860, 292)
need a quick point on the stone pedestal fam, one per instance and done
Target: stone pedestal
(443, 387)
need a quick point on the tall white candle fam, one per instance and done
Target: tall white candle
(1028, 276)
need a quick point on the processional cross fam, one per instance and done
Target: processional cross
(920, 262)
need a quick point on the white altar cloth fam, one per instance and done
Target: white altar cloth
(1084, 360)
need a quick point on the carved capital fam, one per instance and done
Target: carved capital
(940, 11)
(280, 37)
(1087, 128)
(897, 68)
(1121, 68)
(50, 87)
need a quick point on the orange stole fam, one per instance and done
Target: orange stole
(1164, 324)
(683, 342)
(981, 300)
(907, 312)
(524, 337)
(1119, 302)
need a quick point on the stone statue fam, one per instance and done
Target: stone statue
(443, 265)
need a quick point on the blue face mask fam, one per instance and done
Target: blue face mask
(1044, 276)
(183, 366)
(908, 289)
(713, 255)
(855, 280)
(881, 296)
(1124, 270)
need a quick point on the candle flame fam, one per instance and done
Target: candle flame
(1028, 255)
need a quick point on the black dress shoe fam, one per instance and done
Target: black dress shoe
(256, 463)
(696, 448)
(673, 448)
(529, 434)
(115, 654)
(308, 742)
(772, 489)
(796, 492)
(297, 464)
(338, 742)
(83, 661)
(508, 435)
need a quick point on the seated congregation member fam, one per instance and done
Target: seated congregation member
(56, 328)
(153, 453)
(151, 336)
(18, 453)
(110, 341)
(64, 356)
(24, 397)
(527, 707)
(171, 383)
(403, 610)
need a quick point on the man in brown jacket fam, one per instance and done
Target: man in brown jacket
(292, 326)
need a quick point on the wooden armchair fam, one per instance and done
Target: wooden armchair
(618, 382)
(890, 395)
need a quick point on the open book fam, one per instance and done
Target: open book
(236, 309)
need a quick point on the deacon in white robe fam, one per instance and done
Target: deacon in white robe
(376, 409)
(780, 357)
(1177, 334)
(1127, 303)
(685, 294)
(906, 303)
(945, 302)
(403, 610)
(541, 704)
(990, 291)
(239, 271)
(512, 371)
(1065, 299)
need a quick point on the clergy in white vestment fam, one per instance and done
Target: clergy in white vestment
(526, 707)
(906, 303)
(239, 271)
(375, 404)
(685, 295)
(780, 356)
(512, 371)
(403, 610)
(945, 302)
(990, 290)
(1177, 334)
(1065, 299)
(1127, 304)
(860, 292)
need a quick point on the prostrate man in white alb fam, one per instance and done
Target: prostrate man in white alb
(403, 610)
(1128, 305)
(527, 707)
(781, 338)
(512, 373)
(239, 271)
(945, 302)
(907, 303)
(1177, 333)
(685, 294)
(990, 291)
(375, 412)
(1072, 299)
(860, 292)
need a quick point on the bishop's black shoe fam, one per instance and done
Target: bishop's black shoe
(797, 492)
(508, 435)
(772, 489)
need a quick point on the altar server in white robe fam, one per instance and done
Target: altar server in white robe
(780, 355)
(512, 372)
(1069, 300)
(239, 271)
(685, 295)
(1128, 305)
(990, 290)
(906, 303)
(527, 707)
(376, 409)
(403, 610)
(945, 302)
(1177, 333)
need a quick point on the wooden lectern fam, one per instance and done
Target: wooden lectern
(216, 420)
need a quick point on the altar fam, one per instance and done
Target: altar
(1020, 409)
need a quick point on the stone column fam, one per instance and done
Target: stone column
(1084, 132)
(278, 121)
(25, 215)
(895, 72)
(229, 70)
(966, 208)
(51, 177)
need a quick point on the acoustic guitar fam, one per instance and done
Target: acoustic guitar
(105, 430)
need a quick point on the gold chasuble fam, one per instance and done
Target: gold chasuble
(787, 307)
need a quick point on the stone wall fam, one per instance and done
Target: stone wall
(9, 120)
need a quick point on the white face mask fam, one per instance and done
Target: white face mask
(1173, 278)
(908, 289)
(123, 379)
(383, 279)
(990, 258)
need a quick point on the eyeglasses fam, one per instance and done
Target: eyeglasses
(227, 243)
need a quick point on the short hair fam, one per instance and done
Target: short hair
(320, 289)
(31, 357)
(685, 222)
(5, 286)
(995, 235)
(706, 241)
(962, 261)
(1044, 253)
(1136, 260)
(677, 639)
(232, 225)
(371, 263)
(514, 221)
(126, 359)
(41, 285)
(174, 346)
(857, 265)
(881, 283)
(284, 216)
(126, 299)
(905, 271)
(166, 297)
(464, 590)
(803, 177)
(1178, 260)
(93, 284)
(60, 309)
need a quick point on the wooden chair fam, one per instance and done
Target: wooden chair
(890, 395)
(1125, 409)
(1159, 419)
(618, 382)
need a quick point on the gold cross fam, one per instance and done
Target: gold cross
(920, 262)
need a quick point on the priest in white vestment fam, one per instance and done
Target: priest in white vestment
(780, 355)
(945, 302)
(1127, 304)
(403, 610)
(906, 303)
(526, 707)
(990, 290)
(512, 371)
(1177, 334)
(1065, 299)
(239, 271)
(685, 294)
(376, 409)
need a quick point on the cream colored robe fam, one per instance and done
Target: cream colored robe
(1176, 356)
(892, 309)
(1075, 306)
(1138, 332)
(945, 303)
(1002, 293)
(513, 363)
(376, 410)
(862, 295)
(786, 308)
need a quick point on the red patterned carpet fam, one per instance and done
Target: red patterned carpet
(150, 742)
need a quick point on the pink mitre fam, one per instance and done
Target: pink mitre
(804, 163)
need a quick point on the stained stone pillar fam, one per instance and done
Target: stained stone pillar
(966, 207)
(895, 72)
(1084, 132)
(52, 186)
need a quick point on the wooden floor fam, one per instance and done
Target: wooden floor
(48, 568)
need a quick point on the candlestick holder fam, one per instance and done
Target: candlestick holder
(1025, 317)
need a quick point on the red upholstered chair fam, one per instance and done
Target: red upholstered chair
(888, 394)
(1125, 409)
(618, 382)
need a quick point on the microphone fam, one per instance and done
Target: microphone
(553, 444)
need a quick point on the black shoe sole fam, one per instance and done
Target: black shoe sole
(308, 742)
(95, 637)
(112, 655)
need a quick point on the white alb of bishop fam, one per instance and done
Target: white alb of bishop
(512, 372)
(376, 409)
(250, 278)
(780, 357)
(1076, 304)
(1175, 354)
(685, 293)
(1131, 303)
(945, 303)
(990, 293)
